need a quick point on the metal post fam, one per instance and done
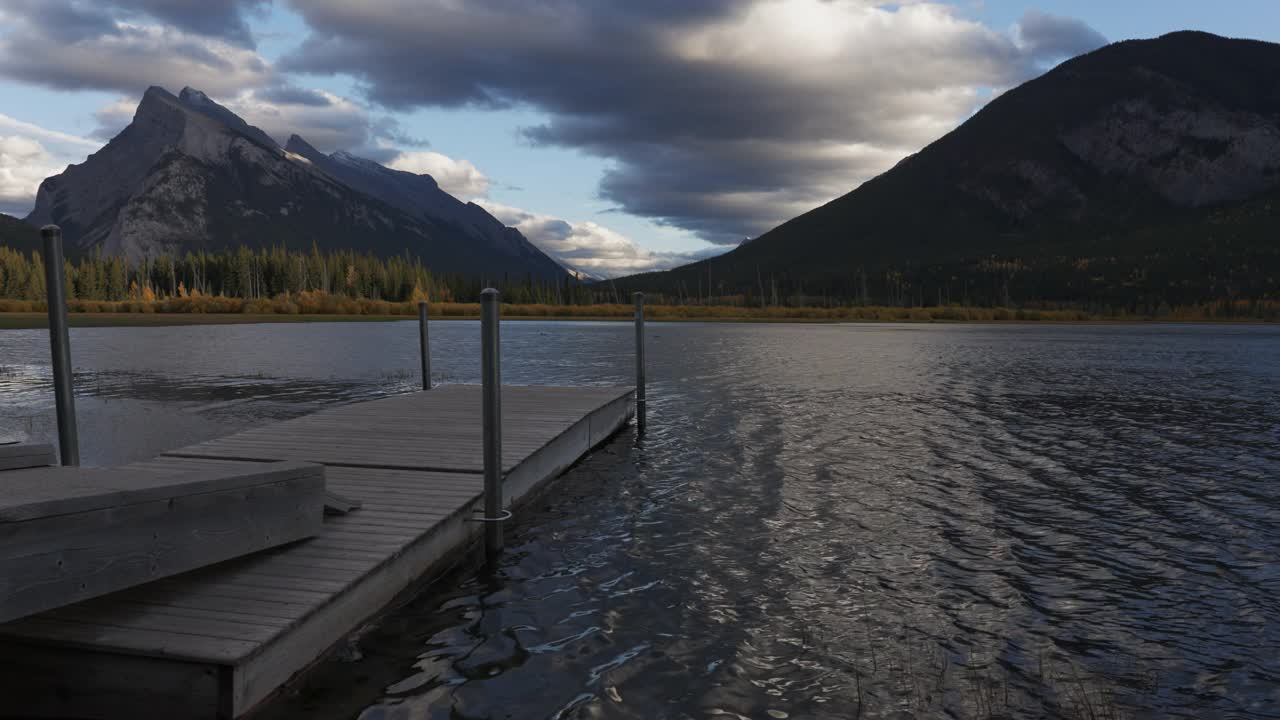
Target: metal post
(640, 405)
(60, 343)
(491, 379)
(425, 346)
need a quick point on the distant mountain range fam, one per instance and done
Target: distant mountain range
(188, 174)
(18, 235)
(1146, 171)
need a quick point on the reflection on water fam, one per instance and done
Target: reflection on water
(824, 521)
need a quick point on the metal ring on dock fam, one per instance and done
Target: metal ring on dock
(506, 515)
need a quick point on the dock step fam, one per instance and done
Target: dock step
(68, 534)
(216, 643)
(16, 456)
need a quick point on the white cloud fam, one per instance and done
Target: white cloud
(587, 246)
(23, 164)
(459, 178)
(28, 155)
(20, 127)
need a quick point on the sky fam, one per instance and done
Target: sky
(618, 135)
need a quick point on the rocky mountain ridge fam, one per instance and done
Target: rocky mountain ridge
(188, 174)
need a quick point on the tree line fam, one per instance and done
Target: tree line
(1226, 285)
(1152, 284)
(267, 273)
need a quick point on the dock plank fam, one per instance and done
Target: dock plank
(413, 461)
(69, 533)
(400, 433)
(15, 456)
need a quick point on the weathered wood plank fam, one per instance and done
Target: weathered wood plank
(255, 606)
(398, 433)
(44, 492)
(262, 618)
(15, 456)
(127, 618)
(260, 615)
(307, 599)
(91, 550)
(132, 641)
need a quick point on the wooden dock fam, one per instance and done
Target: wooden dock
(217, 642)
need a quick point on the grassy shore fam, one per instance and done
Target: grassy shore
(28, 320)
(314, 306)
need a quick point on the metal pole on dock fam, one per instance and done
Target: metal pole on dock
(491, 379)
(60, 342)
(425, 346)
(640, 404)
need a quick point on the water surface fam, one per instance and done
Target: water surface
(823, 521)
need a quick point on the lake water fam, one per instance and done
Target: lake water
(823, 521)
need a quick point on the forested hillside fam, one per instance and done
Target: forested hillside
(1141, 175)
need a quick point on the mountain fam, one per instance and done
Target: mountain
(1144, 171)
(18, 235)
(188, 174)
(419, 195)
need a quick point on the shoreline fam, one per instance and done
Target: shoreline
(37, 320)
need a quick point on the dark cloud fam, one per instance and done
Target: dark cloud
(112, 118)
(127, 45)
(62, 21)
(389, 129)
(294, 95)
(72, 20)
(1051, 37)
(720, 117)
(218, 18)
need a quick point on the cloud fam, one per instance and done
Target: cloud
(120, 46)
(327, 121)
(75, 20)
(459, 178)
(29, 154)
(723, 118)
(114, 117)
(13, 125)
(23, 164)
(217, 18)
(1051, 37)
(589, 247)
(294, 95)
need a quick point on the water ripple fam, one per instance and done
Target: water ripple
(823, 521)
